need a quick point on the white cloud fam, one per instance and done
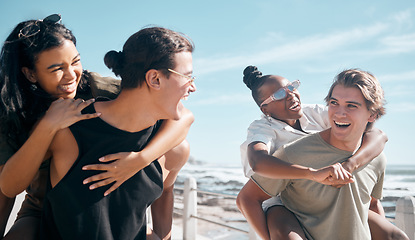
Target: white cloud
(404, 18)
(398, 92)
(398, 44)
(237, 98)
(378, 38)
(306, 48)
(398, 85)
(398, 77)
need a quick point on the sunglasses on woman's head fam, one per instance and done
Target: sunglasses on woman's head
(32, 29)
(282, 92)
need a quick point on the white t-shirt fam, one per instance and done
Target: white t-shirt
(275, 133)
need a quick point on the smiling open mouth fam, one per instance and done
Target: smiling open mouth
(342, 124)
(294, 106)
(68, 87)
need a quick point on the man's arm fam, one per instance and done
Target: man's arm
(249, 202)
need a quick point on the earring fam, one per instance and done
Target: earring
(269, 118)
(33, 87)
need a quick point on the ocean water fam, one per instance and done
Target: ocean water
(399, 181)
(214, 178)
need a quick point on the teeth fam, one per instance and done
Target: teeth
(68, 86)
(342, 124)
(294, 106)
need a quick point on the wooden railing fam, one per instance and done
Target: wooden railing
(404, 217)
(190, 216)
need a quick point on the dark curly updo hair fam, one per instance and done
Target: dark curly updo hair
(149, 48)
(254, 79)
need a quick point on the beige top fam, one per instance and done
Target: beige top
(326, 212)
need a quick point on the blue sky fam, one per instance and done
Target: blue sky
(307, 40)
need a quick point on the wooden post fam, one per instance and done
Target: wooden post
(190, 209)
(405, 215)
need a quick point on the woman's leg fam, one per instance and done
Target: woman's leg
(6, 207)
(25, 228)
(151, 235)
(162, 208)
(27, 225)
(282, 224)
(382, 229)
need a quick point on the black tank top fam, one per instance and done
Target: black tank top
(72, 211)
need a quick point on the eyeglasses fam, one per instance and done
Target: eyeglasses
(191, 79)
(282, 92)
(32, 29)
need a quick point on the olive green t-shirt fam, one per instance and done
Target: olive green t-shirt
(326, 212)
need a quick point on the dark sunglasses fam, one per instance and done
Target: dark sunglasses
(32, 29)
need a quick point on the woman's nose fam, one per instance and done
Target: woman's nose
(290, 94)
(70, 73)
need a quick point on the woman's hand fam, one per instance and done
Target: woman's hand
(21, 168)
(334, 175)
(123, 166)
(62, 113)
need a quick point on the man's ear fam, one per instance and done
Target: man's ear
(153, 79)
(373, 117)
(29, 74)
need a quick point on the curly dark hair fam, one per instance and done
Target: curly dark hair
(22, 103)
(254, 79)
